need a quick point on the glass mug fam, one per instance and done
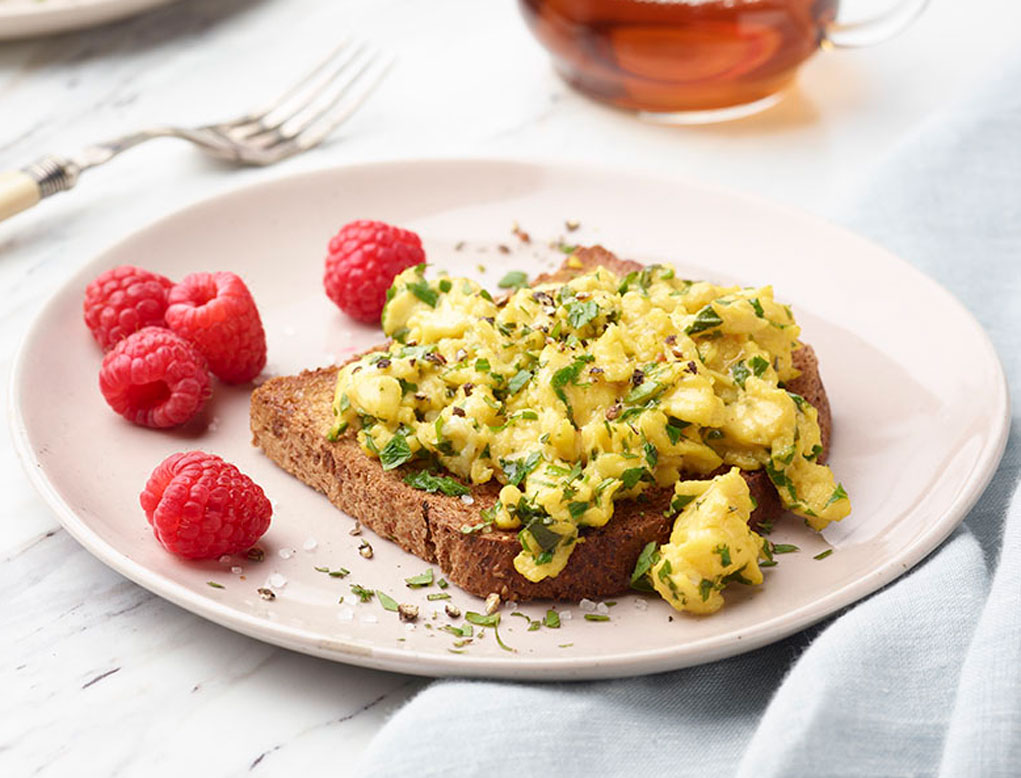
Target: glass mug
(688, 61)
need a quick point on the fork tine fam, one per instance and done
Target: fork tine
(280, 126)
(295, 88)
(338, 111)
(315, 130)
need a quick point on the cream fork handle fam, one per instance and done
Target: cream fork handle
(18, 192)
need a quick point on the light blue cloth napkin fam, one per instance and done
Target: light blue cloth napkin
(922, 679)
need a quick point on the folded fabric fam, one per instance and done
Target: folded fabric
(921, 679)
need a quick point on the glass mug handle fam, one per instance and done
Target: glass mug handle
(876, 30)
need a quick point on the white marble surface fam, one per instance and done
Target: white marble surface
(98, 676)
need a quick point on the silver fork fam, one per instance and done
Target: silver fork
(299, 119)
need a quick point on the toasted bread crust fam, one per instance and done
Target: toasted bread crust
(291, 416)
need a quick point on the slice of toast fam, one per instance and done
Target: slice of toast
(291, 416)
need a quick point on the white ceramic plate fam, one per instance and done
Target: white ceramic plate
(914, 442)
(26, 18)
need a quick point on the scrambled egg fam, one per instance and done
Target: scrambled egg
(710, 546)
(575, 395)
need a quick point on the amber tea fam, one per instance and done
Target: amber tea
(667, 56)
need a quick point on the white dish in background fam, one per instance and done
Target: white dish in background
(27, 18)
(914, 442)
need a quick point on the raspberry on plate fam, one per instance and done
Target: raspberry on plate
(201, 507)
(155, 378)
(365, 257)
(216, 312)
(124, 300)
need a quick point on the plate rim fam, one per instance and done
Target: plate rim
(30, 20)
(629, 664)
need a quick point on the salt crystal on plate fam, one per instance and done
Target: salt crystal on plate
(237, 570)
(310, 544)
(587, 605)
(467, 499)
(224, 559)
(369, 618)
(286, 553)
(641, 604)
(603, 608)
(346, 614)
(276, 581)
(565, 615)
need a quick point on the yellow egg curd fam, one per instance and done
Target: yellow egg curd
(574, 395)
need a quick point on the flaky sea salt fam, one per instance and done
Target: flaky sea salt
(310, 544)
(286, 553)
(587, 605)
(237, 570)
(346, 614)
(368, 618)
(641, 604)
(467, 499)
(603, 608)
(276, 581)
(565, 615)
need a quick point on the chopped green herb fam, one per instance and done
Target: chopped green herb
(515, 279)
(632, 476)
(430, 483)
(516, 469)
(705, 588)
(577, 509)
(395, 453)
(482, 365)
(442, 583)
(388, 602)
(648, 558)
(651, 454)
(362, 593)
(740, 372)
(579, 314)
(596, 617)
(724, 551)
(705, 319)
(757, 307)
(758, 365)
(679, 503)
(823, 554)
(784, 548)
(215, 585)
(420, 580)
(483, 620)
(423, 292)
(438, 596)
(838, 494)
(518, 380)
(552, 619)
(445, 285)
(544, 536)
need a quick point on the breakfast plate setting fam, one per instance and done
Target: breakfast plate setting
(913, 443)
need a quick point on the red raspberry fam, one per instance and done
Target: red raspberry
(216, 312)
(201, 507)
(364, 259)
(124, 300)
(155, 378)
